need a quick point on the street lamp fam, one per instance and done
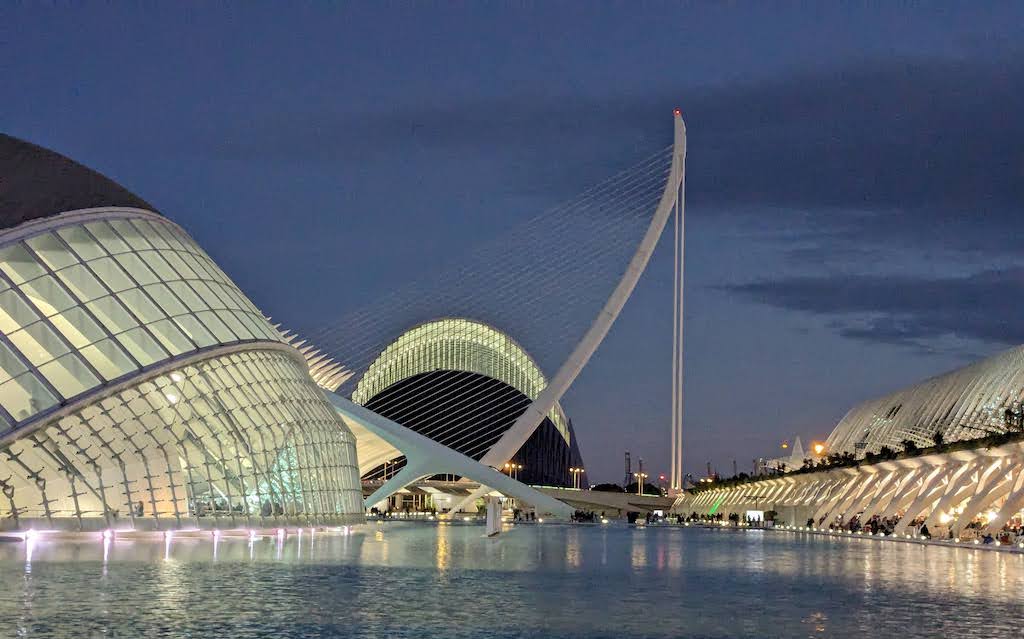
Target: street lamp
(640, 477)
(819, 449)
(576, 472)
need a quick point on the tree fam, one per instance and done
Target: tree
(609, 488)
(938, 438)
(909, 446)
(649, 489)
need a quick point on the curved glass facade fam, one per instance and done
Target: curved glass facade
(241, 439)
(89, 303)
(140, 388)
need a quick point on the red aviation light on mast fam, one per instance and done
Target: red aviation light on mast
(677, 111)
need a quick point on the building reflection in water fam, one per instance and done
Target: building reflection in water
(883, 586)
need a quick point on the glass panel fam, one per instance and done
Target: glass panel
(105, 234)
(137, 268)
(236, 298)
(171, 337)
(130, 234)
(195, 330)
(141, 346)
(38, 343)
(258, 331)
(25, 396)
(18, 264)
(10, 364)
(197, 266)
(160, 265)
(170, 236)
(110, 312)
(211, 268)
(212, 322)
(187, 295)
(165, 299)
(69, 375)
(108, 359)
(82, 282)
(77, 327)
(14, 312)
(212, 299)
(237, 327)
(140, 304)
(51, 251)
(83, 243)
(111, 274)
(146, 230)
(47, 295)
(179, 264)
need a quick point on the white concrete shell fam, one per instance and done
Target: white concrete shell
(967, 403)
(946, 492)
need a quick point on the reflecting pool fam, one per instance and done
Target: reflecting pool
(423, 580)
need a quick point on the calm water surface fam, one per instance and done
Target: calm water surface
(426, 581)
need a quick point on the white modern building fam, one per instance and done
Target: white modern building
(463, 383)
(139, 387)
(967, 403)
(958, 491)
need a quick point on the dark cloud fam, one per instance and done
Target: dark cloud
(904, 309)
(932, 147)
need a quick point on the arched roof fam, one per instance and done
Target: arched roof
(461, 345)
(36, 182)
(965, 403)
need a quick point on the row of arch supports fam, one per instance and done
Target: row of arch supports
(955, 494)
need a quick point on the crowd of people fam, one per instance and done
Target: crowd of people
(875, 525)
(1011, 533)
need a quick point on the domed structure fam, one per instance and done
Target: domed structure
(139, 387)
(463, 383)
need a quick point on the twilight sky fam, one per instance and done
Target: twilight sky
(855, 185)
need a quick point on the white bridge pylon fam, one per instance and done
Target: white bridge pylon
(425, 457)
(514, 438)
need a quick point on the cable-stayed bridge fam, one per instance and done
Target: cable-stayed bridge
(476, 358)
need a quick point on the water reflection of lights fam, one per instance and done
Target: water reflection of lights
(30, 546)
(817, 621)
(572, 548)
(638, 554)
(443, 551)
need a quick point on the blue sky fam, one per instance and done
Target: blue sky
(854, 184)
